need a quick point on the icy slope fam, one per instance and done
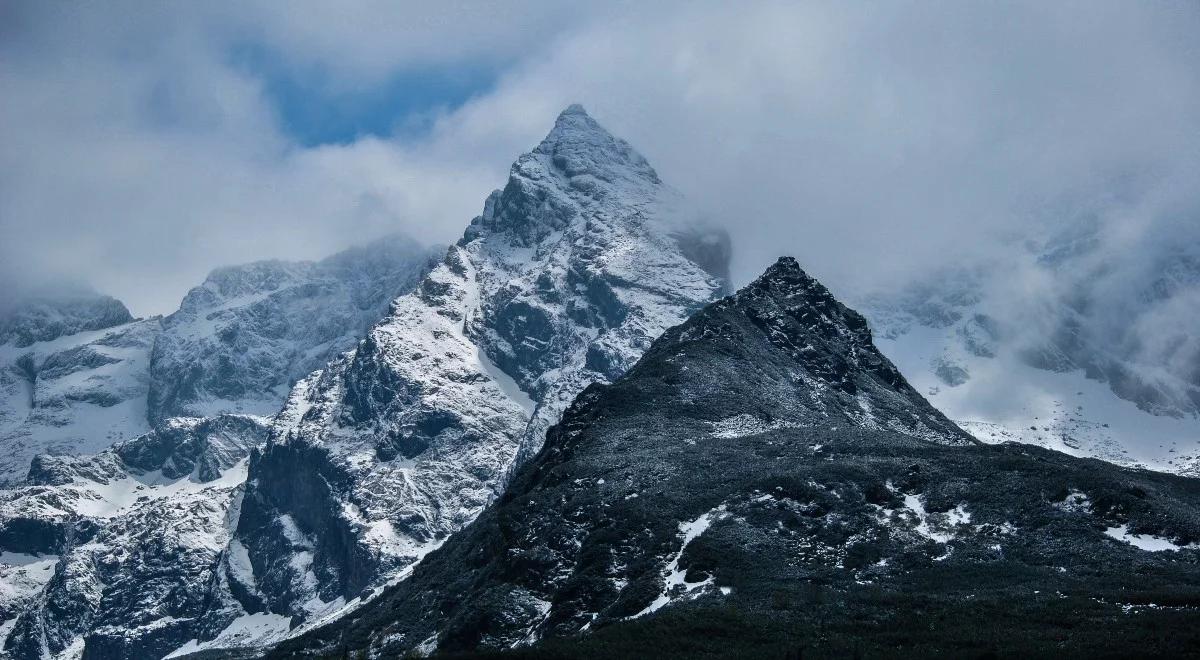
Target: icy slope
(568, 275)
(1002, 398)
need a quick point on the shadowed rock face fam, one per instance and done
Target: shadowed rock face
(568, 275)
(763, 482)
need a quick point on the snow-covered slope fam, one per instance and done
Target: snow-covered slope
(243, 337)
(1061, 343)
(568, 275)
(79, 375)
(73, 394)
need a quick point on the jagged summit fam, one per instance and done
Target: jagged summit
(579, 171)
(841, 331)
(815, 358)
(785, 270)
(786, 280)
(567, 276)
(578, 145)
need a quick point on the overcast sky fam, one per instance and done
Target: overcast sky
(145, 143)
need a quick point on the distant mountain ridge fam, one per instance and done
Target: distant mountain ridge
(241, 339)
(47, 315)
(1096, 358)
(96, 376)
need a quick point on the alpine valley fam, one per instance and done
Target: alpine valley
(563, 436)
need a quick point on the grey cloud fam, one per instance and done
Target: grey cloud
(874, 142)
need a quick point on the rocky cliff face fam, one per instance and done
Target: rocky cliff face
(765, 483)
(572, 270)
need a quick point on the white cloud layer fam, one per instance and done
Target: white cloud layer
(872, 141)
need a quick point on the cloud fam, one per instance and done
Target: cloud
(874, 142)
(139, 156)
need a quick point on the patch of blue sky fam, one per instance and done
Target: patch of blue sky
(316, 109)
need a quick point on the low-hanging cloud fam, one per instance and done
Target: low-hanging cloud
(874, 142)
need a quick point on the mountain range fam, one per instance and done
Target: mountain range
(563, 436)
(764, 482)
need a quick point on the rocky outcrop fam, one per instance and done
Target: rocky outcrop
(132, 539)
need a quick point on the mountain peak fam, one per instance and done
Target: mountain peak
(578, 145)
(797, 292)
(788, 323)
(786, 273)
(573, 109)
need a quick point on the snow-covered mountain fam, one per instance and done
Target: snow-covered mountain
(242, 338)
(764, 483)
(128, 448)
(572, 270)
(291, 445)
(175, 541)
(74, 384)
(1065, 343)
(78, 373)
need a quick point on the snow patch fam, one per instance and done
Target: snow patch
(936, 527)
(260, 628)
(507, 385)
(1147, 542)
(676, 578)
(1075, 502)
(740, 426)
